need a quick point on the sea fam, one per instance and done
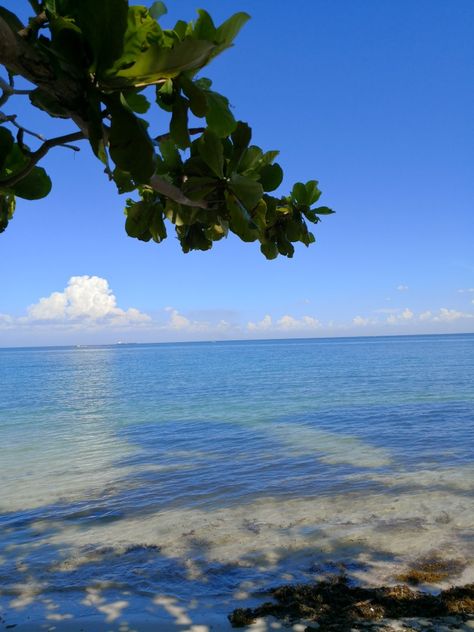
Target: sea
(175, 482)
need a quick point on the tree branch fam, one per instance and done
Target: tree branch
(35, 24)
(35, 157)
(192, 131)
(21, 58)
(11, 118)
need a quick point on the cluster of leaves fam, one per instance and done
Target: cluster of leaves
(225, 183)
(13, 159)
(122, 59)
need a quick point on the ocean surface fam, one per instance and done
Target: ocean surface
(180, 481)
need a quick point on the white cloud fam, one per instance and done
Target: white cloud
(402, 288)
(359, 321)
(404, 316)
(466, 290)
(262, 325)
(85, 298)
(447, 315)
(444, 315)
(177, 320)
(290, 323)
(87, 302)
(285, 323)
(86, 310)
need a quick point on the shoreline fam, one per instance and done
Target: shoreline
(178, 619)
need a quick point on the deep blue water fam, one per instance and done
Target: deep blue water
(105, 451)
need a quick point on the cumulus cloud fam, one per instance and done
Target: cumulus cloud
(285, 323)
(444, 315)
(402, 288)
(360, 321)
(85, 298)
(179, 322)
(403, 317)
(290, 323)
(447, 315)
(262, 325)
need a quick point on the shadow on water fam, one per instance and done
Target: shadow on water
(124, 586)
(191, 532)
(137, 587)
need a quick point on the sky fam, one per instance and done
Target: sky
(374, 99)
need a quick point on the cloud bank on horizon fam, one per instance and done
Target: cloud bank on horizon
(86, 311)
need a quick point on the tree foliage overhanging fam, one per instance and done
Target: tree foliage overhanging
(104, 65)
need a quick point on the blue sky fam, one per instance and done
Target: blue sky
(374, 99)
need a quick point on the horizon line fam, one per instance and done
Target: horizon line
(233, 340)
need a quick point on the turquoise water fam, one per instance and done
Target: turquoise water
(203, 473)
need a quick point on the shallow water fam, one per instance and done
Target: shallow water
(172, 479)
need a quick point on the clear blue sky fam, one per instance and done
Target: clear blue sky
(375, 100)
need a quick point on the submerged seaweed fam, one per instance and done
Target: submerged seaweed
(337, 606)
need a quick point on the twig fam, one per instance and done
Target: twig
(35, 157)
(8, 87)
(192, 131)
(34, 25)
(11, 118)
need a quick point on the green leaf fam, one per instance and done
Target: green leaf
(157, 226)
(123, 181)
(241, 137)
(197, 97)
(269, 249)
(240, 221)
(139, 216)
(154, 63)
(203, 83)
(137, 102)
(204, 27)
(250, 160)
(219, 118)
(103, 25)
(130, 146)
(198, 188)
(34, 186)
(165, 95)
(14, 161)
(285, 247)
(157, 10)
(6, 145)
(312, 192)
(323, 210)
(211, 151)
(68, 46)
(294, 229)
(311, 216)
(7, 208)
(271, 177)
(228, 31)
(179, 123)
(248, 191)
(171, 155)
(50, 6)
(299, 194)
